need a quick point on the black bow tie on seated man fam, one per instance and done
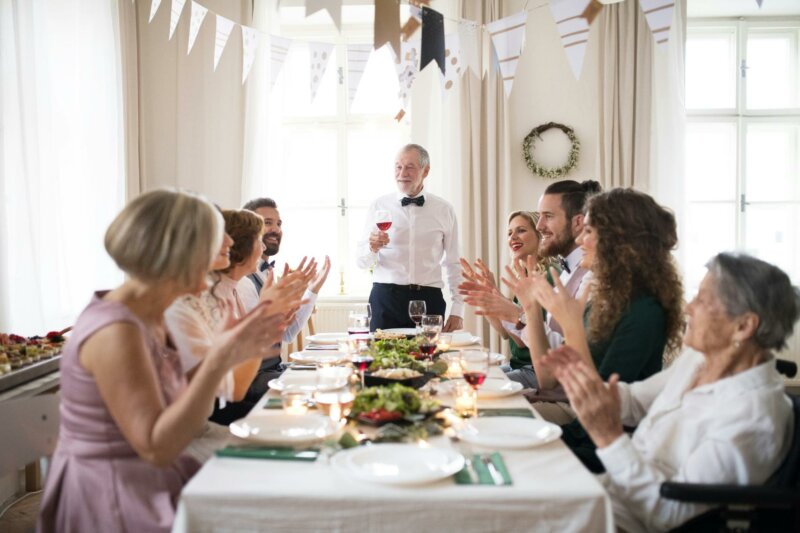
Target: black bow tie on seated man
(264, 266)
(419, 200)
(564, 265)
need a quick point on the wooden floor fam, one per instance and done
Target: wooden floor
(21, 517)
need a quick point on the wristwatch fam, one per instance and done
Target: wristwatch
(521, 321)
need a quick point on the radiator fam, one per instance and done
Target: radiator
(332, 316)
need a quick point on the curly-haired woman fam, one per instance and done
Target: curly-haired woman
(634, 313)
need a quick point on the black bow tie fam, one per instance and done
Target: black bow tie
(419, 200)
(266, 266)
(564, 265)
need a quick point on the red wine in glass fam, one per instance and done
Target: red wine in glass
(362, 362)
(427, 349)
(384, 226)
(416, 319)
(475, 379)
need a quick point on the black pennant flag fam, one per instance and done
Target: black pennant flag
(432, 38)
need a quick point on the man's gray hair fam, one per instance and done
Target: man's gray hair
(746, 284)
(424, 157)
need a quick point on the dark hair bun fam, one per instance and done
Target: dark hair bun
(591, 186)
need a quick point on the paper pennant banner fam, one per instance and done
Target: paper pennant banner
(318, 56)
(357, 58)
(508, 37)
(452, 60)
(468, 35)
(659, 17)
(278, 50)
(224, 27)
(175, 15)
(432, 39)
(387, 25)
(573, 29)
(154, 5)
(592, 10)
(334, 8)
(198, 15)
(249, 45)
(759, 2)
(414, 20)
(406, 66)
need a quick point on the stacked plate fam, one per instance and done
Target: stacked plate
(284, 430)
(509, 432)
(398, 464)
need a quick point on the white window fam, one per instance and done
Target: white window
(333, 158)
(743, 143)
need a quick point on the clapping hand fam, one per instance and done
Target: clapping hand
(319, 280)
(286, 292)
(522, 278)
(568, 311)
(598, 406)
(250, 336)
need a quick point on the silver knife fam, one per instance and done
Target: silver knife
(497, 477)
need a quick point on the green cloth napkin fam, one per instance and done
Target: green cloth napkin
(463, 477)
(273, 403)
(521, 411)
(263, 452)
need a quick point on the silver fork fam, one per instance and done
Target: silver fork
(465, 450)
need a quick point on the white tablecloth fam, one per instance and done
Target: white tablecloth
(551, 491)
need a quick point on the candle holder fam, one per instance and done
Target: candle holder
(466, 399)
(295, 402)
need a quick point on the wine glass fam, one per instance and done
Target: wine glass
(475, 367)
(383, 219)
(431, 328)
(362, 359)
(416, 310)
(358, 323)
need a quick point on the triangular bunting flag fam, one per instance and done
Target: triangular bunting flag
(468, 41)
(573, 29)
(154, 5)
(452, 60)
(432, 38)
(414, 20)
(508, 37)
(357, 58)
(387, 25)
(406, 66)
(175, 15)
(759, 2)
(318, 56)
(659, 17)
(592, 10)
(278, 50)
(249, 45)
(334, 8)
(224, 27)
(198, 15)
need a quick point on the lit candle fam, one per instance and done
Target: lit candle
(465, 399)
(294, 403)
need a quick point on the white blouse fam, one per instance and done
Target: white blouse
(736, 430)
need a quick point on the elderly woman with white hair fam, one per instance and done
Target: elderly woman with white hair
(718, 414)
(127, 412)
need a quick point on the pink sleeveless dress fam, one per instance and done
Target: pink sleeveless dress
(96, 481)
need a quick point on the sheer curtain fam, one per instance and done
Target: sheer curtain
(62, 164)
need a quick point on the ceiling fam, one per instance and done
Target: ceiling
(742, 8)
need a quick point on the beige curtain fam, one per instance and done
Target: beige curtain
(626, 49)
(485, 163)
(128, 40)
(185, 122)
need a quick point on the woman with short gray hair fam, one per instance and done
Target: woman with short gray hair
(718, 414)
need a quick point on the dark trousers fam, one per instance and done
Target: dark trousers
(389, 303)
(270, 369)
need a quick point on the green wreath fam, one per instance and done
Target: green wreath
(572, 159)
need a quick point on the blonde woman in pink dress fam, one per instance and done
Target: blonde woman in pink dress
(127, 412)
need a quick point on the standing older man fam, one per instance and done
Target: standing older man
(408, 257)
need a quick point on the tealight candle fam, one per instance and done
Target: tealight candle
(294, 402)
(444, 342)
(465, 399)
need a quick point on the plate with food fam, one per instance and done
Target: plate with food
(282, 429)
(395, 333)
(392, 403)
(399, 464)
(405, 376)
(509, 432)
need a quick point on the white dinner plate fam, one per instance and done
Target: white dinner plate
(464, 339)
(498, 388)
(398, 464)
(402, 331)
(510, 432)
(317, 356)
(282, 429)
(494, 358)
(326, 338)
(307, 380)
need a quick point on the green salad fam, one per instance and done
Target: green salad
(392, 399)
(395, 353)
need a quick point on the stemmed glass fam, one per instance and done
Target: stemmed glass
(416, 310)
(359, 321)
(475, 367)
(362, 359)
(383, 219)
(431, 328)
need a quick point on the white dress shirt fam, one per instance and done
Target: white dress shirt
(736, 430)
(249, 297)
(423, 240)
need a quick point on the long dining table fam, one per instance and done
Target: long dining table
(550, 491)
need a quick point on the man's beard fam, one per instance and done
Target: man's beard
(560, 244)
(271, 248)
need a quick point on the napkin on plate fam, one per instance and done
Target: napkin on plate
(463, 477)
(265, 452)
(519, 411)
